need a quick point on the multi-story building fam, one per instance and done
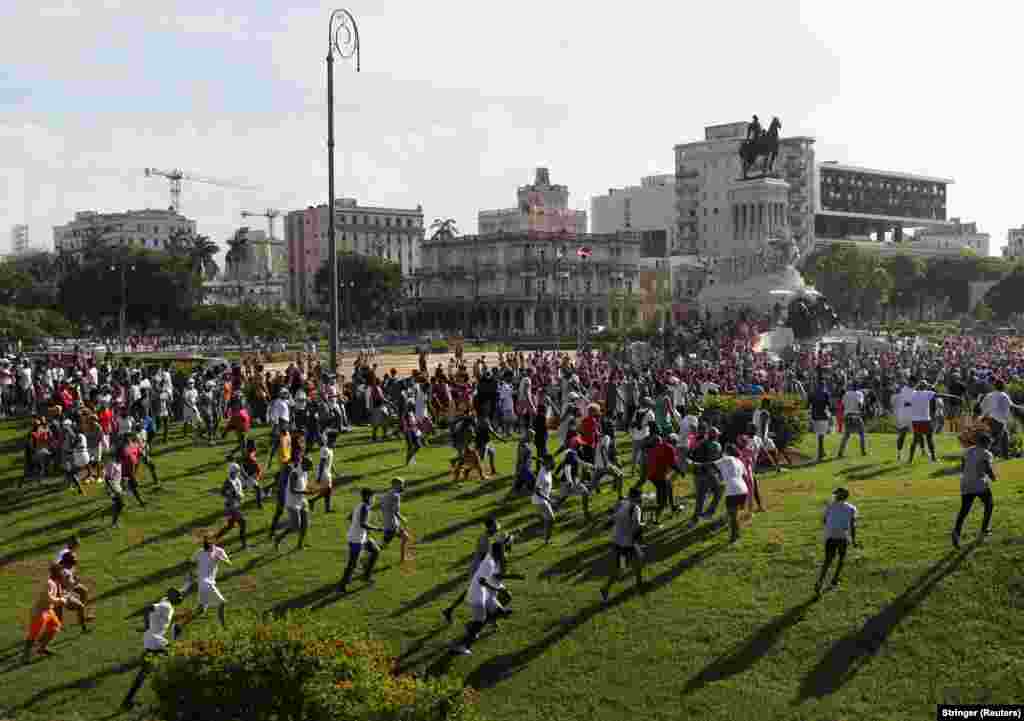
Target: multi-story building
(140, 228)
(393, 234)
(531, 270)
(1014, 243)
(706, 171)
(865, 204)
(517, 283)
(19, 240)
(648, 208)
(265, 293)
(960, 236)
(542, 211)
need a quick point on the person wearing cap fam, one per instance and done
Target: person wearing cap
(233, 494)
(976, 476)
(840, 522)
(160, 631)
(627, 529)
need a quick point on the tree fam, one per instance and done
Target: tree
(855, 282)
(907, 273)
(378, 285)
(1005, 297)
(983, 312)
(443, 229)
(199, 249)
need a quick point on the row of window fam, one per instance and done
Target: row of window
(881, 184)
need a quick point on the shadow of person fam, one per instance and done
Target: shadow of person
(847, 655)
(751, 650)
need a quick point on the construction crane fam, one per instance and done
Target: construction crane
(176, 176)
(271, 214)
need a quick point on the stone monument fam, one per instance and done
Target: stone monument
(759, 271)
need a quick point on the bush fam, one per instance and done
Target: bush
(297, 668)
(732, 415)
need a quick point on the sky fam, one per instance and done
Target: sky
(457, 102)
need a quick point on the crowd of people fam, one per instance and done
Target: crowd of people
(97, 422)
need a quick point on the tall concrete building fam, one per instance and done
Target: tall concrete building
(707, 170)
(1014, 244)
(393, 234)
(19, 240)
(960, 236)
(139, 228)
(648, 208)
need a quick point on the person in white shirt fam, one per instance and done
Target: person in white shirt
(483, 596)
(921, 419)
(207, 559)
(295, 500)
(159, 626)
(279, 417)
(325, 472)
(731, 471)
(542, 496)
(840, 523)
(853, 419)
(901, 410)
(359, 540)
(996, 406)
(627, 527)
(233, 494)
(190, 407)
(604, 459)
(640, 432)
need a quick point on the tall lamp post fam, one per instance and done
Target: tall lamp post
(123, 314)
(342, 38)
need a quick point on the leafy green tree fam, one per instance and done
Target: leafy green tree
(983, 312)
(907, 273)
(1006, 298)
(855, 282)
(377, 285)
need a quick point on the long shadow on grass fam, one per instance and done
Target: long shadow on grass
(78, 686)
(850, 653)
(750, 651)
(48, 546)
(179, 530)
(492, 672)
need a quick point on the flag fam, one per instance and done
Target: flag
(584, 252)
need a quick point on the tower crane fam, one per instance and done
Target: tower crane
(176, 176)
(271, 214)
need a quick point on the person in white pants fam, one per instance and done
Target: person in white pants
(207, 560)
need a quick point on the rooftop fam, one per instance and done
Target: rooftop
(833, 165)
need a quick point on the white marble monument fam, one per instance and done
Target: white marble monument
(760, 271)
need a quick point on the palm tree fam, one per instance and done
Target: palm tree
(238, 249)
(443, 229)
(202, 255)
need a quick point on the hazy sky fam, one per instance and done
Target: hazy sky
(459, 101)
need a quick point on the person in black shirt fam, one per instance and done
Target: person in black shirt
(540, 433)
(954, 412)
(820, 403)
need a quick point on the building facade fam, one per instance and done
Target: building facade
(1014, 243)
(708, 169)
(866, 204)
(960, 236)
(393, 234)
(520, 284)
(542, 211)
(140, 228)
(265, 293)
(19, 240)
(648, 208)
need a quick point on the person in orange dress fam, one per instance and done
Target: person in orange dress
(45, 624)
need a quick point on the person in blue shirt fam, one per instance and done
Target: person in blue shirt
(820, 403)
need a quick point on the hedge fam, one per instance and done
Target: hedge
(297, 667)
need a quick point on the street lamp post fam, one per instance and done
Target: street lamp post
(343, 38)
(123, 314)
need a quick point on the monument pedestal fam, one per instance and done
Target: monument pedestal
(759, 292)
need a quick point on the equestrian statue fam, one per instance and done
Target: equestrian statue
(760, 145)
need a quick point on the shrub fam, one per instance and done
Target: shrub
(732, 415)
(297, 668)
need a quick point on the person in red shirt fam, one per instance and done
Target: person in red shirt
(130, 455)
(661, 460)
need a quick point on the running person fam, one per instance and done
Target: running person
(840, 530)
(976, 477)
(234, 494)
(483, 547)
(626, 535)
(158, 620)
(207, 559)
(325, 472)
(394, 521)
(482, 596)
(542, 496)
(359, 540)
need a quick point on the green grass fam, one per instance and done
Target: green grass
(724, 631)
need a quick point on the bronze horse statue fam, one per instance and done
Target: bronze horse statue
(765, 148)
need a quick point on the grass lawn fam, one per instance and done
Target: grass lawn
(724, 632)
